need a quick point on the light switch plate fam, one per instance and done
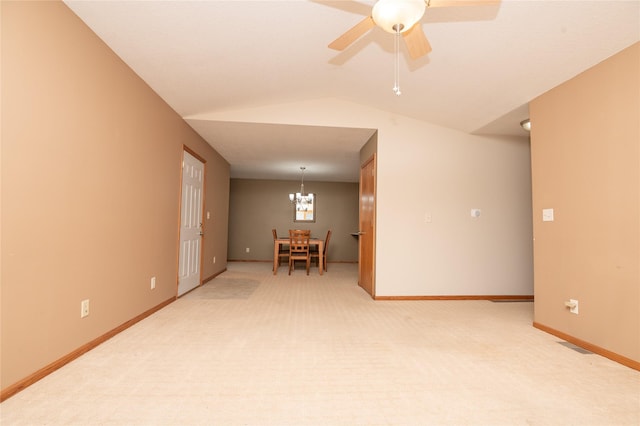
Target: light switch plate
(84, 308)
(547, 215)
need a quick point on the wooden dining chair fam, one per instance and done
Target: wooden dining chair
(316, 255)
(299, 247)
(283, 250)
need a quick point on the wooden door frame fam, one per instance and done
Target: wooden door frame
(371, 159)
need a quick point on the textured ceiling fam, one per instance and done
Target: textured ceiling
(487, 63)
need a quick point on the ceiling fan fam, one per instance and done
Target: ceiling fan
(401, 17)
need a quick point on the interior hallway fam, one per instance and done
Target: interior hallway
(250, 348)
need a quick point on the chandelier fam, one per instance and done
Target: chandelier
(301, 199)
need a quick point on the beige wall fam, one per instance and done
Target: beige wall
(369, 148)
(426, 169)
(586, 166)
(257, 206)
(90, 189)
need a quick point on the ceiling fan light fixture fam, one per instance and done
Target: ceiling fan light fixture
(397, 15)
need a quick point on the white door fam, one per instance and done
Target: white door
(190, 223)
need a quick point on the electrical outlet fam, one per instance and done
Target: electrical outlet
(84, 308)
(248, 250)
(572, 304)
(574, 309)
(153, 283)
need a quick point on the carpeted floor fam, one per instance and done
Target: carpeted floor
(317, 350)
(226, 288)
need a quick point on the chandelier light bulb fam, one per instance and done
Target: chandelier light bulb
(300, 197)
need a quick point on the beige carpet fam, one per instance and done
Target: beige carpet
(224, 287)
(311, 350)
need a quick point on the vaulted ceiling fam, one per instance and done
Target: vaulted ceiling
(487, 63)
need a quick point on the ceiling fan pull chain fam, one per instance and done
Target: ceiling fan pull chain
(396, 86)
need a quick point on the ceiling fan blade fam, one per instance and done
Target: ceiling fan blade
(416, 41)
(352, 6)
(353, 34)
(450, 3)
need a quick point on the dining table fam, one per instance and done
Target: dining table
(278, 242)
